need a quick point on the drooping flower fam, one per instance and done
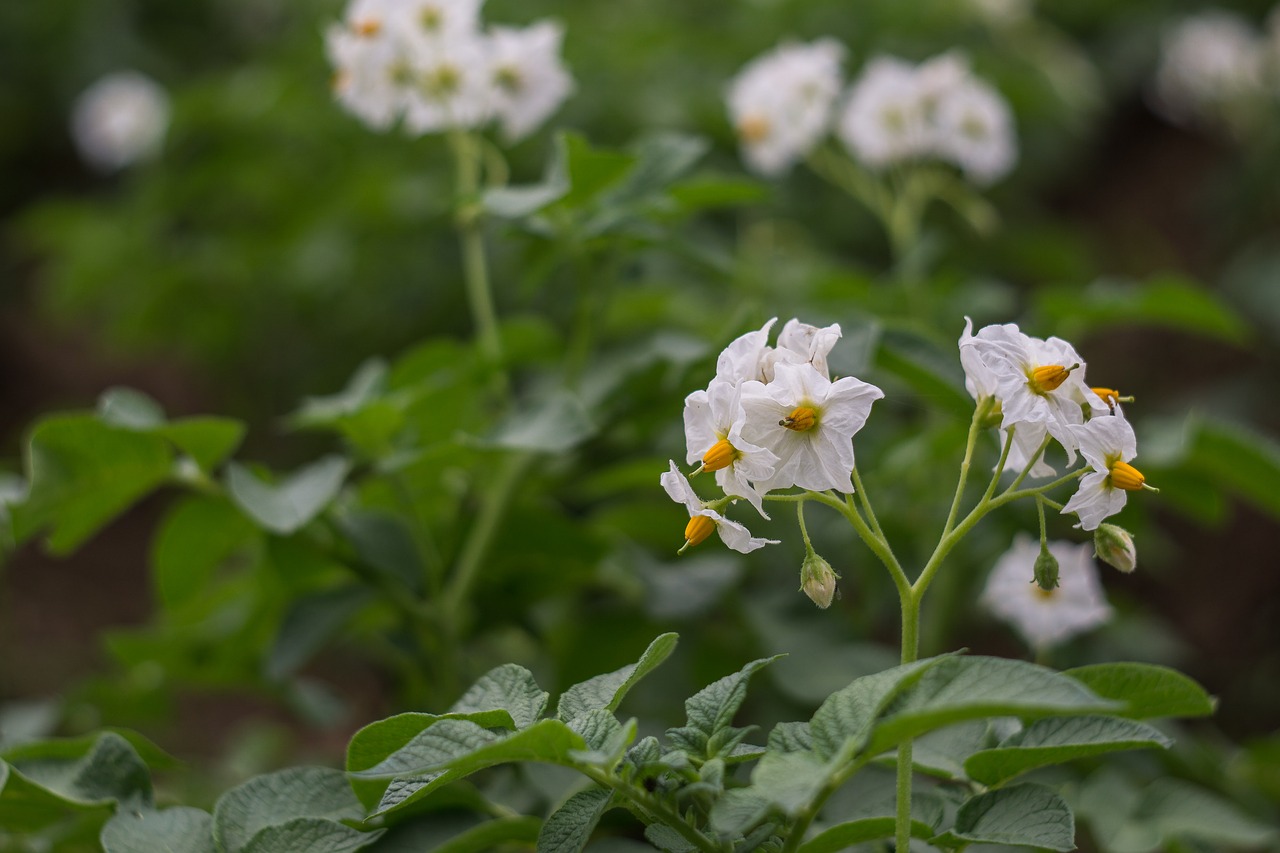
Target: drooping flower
(1107, 444)
(808, 422)
(702, 520)
(528, 77)
(781, 103)
(1046, 618)
(744, 357)
(713, 421)
(801, 343)
(120, 120)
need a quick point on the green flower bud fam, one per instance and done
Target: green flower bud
(994, 416)
(818, 580)
(1046, 570)
(1114, 546)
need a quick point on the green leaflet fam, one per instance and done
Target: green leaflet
(1030, 815)
(176, 830)
(273, 800)
(607, 691)
(1147, 690)
(1059, 739)
(569, 828)
(288, 505)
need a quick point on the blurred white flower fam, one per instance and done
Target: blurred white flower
(435, 20)
(370, 74)
(713, 421)
(528, 78)
(450, 84)
(808, 422)
(1046, 618)
(781, 103)
(702, 521)
(973, 128)
(1107, 444)
(119, 120)
(883, 122)
(1206, 62)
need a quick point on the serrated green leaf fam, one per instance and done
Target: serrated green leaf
(199, 535)
(85, 771)
(313, 834)
(509, 687)
(605, 737)
(176, 830)
(842, 724)
(83, 473)
(1055, 740)
(275, 799)
(1029, 815)
(312, 621)
(569, 828)
(462, 746)
(1146, 689)
(957, 689)
(556, 424)
(607, 691)
(842, 836)
(285, 507)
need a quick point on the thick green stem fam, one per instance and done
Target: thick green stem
(467, 160)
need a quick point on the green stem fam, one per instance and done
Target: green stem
(654, 811)
(975, 426)
(865, 500)
(467, 160)
(804, 531)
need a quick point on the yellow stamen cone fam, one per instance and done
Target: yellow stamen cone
(697, 530)
(1125, 476)
(1050, 377)
(801, 418)
(753, 129)
(368, 29)
(721, 455)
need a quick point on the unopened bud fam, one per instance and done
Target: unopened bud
(1114, 546)
(818, 580)
(994, 416)
(1046, 570)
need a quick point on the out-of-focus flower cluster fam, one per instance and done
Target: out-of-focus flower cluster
(784, 103)
(430, 65)
(120, 120)
(1218, 69)
(1038, 390)
(771, 419)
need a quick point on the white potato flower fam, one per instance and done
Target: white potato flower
(119, 120)
(808, 422)
(884, 122)
(450, 86)
(1046, 618)
(702, 521)
(529, 79)
(713, 421)
(781, 103)
(1206, 61)
(1107, 444)
(973, 128)
(744, 357)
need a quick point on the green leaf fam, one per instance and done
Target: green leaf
(1167, 301)
(1055, 740)
(385, 542)
(844, 722)
(956, 689)
(1241, 459)
(376, 741)
(790, 737)
(312, 621)
(287, 506)
(366, 385)
(1170, 810)
(667, 839)
(198, 536)
(509, 687)
(711, 709)
(788, 781)
(607, 691)
(942, 752)
(1146, 689)
(569, 828)
(207, 440)
(313, 834)
(176, 830)
(493, 834)
(842, 836)
(1029, 815)
(553, 425)
(519, 201)
(462, 747)
(276, 799)
(605, 737)
(84, 771)
(82, 474)
(130, 409)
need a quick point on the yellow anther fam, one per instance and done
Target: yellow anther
(1125, 476)
(1111, 397)
(754, 129)
(368, 28)
(801, 418)
(1050, 377)
(430, 18)
(721, 455)
(697, 530)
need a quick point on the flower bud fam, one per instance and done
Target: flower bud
(1046, 570)
(1114, 546)
(818, 580)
